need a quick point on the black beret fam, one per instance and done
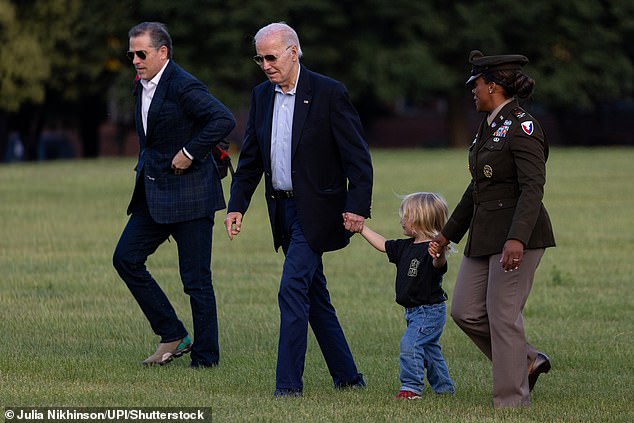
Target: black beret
(481, 63)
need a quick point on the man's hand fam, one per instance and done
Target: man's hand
(180, 162)
(233, 222)
(353, 222)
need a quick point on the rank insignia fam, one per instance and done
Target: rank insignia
(488, 171)
(519, 113)
(527, 127)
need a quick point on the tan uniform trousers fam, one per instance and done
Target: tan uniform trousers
(487, 305)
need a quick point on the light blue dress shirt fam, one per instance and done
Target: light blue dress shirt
(281, 138)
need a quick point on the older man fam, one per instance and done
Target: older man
(305, 137)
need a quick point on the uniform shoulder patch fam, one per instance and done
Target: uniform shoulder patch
(528, 127)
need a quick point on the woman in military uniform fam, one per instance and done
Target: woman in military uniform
(508, 227)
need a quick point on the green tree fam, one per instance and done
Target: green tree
(408, 52)
(581, 52)
(58, 59)
(31, 33)
(24, 68)
(67, 56)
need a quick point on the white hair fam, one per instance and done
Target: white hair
(285, 32)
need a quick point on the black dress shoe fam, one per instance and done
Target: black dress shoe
(540, 365)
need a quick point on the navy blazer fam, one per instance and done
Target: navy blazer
(182, 114)
(331, 168)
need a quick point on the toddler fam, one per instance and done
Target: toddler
(419, 290)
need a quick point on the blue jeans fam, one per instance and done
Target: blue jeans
(420, 350)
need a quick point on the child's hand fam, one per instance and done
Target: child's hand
(435, 250)
(437, 246)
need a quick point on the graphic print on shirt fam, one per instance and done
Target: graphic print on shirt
(413, 268)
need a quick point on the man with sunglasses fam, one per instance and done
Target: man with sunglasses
(177, 192)
(306, 138)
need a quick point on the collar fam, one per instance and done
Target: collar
(293, 90)
(494, 113)
(154, 81)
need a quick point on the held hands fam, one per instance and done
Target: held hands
(353, 222)
(512, 254)
(438, 245)
(233, 223)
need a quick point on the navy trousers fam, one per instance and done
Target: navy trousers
(140, 238)
(303, 298)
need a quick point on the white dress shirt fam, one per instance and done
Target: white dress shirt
(149, 88)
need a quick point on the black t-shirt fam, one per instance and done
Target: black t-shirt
(418, 282)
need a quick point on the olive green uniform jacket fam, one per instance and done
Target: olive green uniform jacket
(507, 162)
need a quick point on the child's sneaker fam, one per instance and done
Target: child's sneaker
(407, 395)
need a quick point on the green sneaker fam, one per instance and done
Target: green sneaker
(166, 351)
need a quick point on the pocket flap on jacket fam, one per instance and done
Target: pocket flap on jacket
(501, 204)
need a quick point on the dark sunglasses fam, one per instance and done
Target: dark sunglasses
(259, 59)
(140, 54)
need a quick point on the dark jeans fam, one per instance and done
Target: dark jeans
(140, 238)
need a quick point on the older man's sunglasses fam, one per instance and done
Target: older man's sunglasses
(259, 59)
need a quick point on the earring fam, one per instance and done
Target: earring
(490, 90)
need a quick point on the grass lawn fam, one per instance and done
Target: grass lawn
(73, 336)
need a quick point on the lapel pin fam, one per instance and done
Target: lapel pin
(305, 101)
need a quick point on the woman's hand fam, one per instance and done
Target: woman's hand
(512, 255)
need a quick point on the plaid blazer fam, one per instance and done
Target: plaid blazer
(183, 114)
